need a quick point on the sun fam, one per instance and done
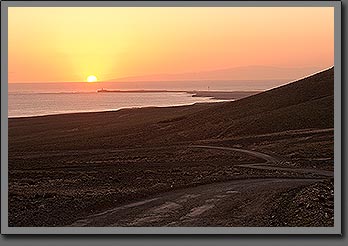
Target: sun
(91, 79)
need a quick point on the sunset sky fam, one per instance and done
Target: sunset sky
(69, 44)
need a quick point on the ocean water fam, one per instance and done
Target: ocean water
(25, 104)
(35, 99)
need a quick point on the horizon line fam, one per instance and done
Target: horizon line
(202, 80)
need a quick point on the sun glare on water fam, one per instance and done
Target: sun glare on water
(91, 79)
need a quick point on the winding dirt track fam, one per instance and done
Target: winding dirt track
(269, 160)
(234, 203)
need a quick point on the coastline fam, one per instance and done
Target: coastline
(222, 96)
(212, 94)
(115, 110)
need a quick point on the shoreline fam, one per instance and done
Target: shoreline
(223, 96)
(195, 93)
(213, 94)
(116, 110)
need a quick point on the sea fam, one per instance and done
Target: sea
(38, 104)
(38, 99)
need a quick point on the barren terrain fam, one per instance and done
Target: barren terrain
(264, 160)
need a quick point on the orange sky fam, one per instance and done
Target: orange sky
(68, 44)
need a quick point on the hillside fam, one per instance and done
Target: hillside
(306, 103)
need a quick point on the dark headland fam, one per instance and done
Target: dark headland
(225, 95)
(263, 160)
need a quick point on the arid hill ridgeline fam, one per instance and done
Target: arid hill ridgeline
(306, 103)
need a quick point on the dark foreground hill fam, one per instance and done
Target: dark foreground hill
(306, 103)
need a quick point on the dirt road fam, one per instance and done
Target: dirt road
(234, 203)
(269, 161)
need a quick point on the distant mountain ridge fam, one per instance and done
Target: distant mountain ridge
(231, 74)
